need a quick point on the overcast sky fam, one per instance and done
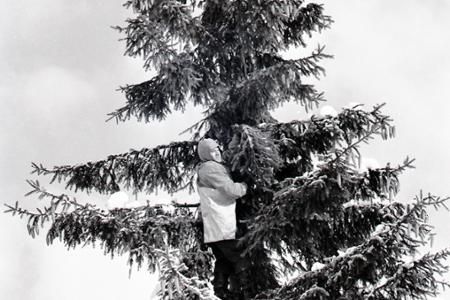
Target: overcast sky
(60, 66)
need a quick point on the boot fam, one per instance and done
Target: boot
(220, 284)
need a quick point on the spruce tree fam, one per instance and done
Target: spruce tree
(311, 214)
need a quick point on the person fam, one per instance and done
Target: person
(218, 194)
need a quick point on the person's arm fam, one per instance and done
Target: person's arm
(215, 175)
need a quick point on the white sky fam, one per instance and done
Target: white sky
(60, 65)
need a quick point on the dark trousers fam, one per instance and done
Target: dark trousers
(229, 258)
(229, 269)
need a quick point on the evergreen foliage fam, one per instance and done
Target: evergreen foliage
(308, 201)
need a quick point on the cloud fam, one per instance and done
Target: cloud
(65, 33)
(55, 91)
(43, 108)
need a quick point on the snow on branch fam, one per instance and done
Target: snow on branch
(140, 231)
(360, 271)
(339, 135)
(414, 279)
(147, 234)
(175, 282)
(311, 215)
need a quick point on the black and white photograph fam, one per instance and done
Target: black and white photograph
(225, 150)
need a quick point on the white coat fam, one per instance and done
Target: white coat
(218, 194)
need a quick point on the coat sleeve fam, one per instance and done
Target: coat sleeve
(215, 175)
